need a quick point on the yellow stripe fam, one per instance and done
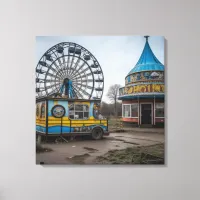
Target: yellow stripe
(39, 123)
(73, 125)
(84, 102)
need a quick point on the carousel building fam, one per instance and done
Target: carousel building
(143, 94)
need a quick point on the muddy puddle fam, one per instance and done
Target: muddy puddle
(126, 142)
(91, 150)
(78, 159)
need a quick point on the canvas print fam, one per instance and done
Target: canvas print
(100, 100)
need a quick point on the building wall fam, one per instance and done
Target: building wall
(136, 121)
(41, 117)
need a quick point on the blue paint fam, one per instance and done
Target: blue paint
(50, 106)
(67, 89)
(65, 105)
(66, 129)
(91, 109)
(57, 129)
(144, 83)
(62, 88)
(70, 89)
(40, 129)
(147, 61)
(158, 96)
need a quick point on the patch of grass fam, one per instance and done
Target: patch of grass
(134, 155)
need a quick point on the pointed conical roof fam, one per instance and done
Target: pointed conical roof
(147, 61)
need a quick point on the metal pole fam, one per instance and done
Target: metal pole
(107, 124)
(154, 109)
(70, 125)
(39, 139)
(139, 111)
(61, 126)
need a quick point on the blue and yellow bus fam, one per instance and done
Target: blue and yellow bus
(69, 117)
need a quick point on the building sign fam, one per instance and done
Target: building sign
(145, 76)
(148, 88)
(58, 111)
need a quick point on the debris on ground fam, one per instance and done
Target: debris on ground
(61, 140)
(78, 159)
(41, 149)
(124, 141)
(116, 125)
(90, 149)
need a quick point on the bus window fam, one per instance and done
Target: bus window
(78, 111)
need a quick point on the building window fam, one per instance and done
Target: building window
(43, 111)
(134, 110)
(37, 110)
(78, 111)
(126, 111)
(130, 110)
(160, 110)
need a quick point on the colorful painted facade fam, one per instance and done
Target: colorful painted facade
(61, 116)
(143, 94)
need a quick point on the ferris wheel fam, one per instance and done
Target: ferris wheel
(69, 69)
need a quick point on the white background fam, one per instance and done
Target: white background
(21, 21)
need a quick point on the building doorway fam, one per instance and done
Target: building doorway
(146, 113)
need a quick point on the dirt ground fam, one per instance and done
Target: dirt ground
(112, 149)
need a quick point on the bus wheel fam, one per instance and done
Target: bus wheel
(97, 133)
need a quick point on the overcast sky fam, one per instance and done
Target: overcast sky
(117, 55)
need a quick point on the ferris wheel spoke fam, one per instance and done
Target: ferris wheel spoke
(55, 71)
(51, 86)
(58, 75)
(59, 62)
(76, 90)
(75, 78)
(68, 59)
(82, 72)
(56, 58)
(84, 92)
(50, 74)
(53, 81)
(60, 71)
(76, 64)
(74, 93)
(71, 62)
(64, 63)
(48, 80)
(82, 85)
(88, 80)
(84, 76)
(53, 92)
(63, 58)
(74, 74)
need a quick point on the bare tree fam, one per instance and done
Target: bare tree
(107, 109)
(112, 94)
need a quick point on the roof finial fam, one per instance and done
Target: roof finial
(146, 36)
